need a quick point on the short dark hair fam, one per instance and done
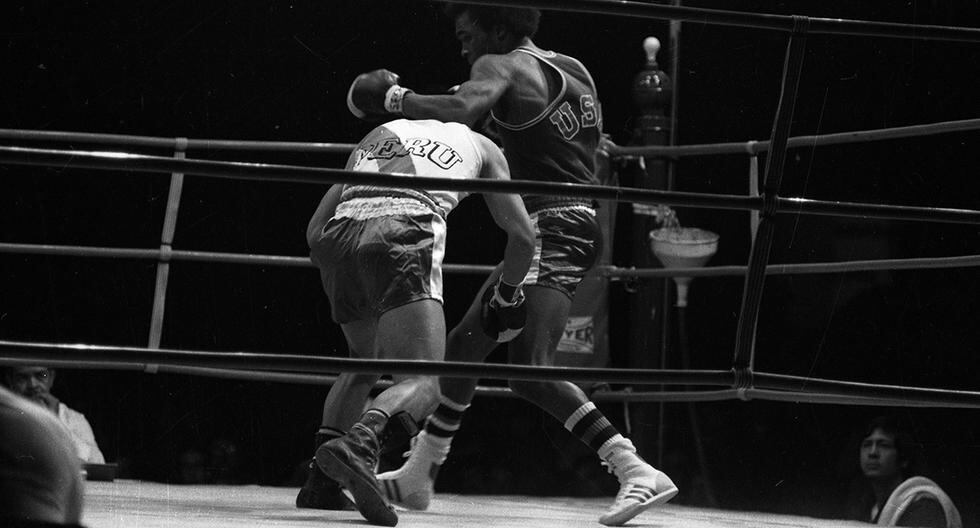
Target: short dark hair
(904, 443)
(520, 21)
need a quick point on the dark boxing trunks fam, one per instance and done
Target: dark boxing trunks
(371, 265)
(569, 243)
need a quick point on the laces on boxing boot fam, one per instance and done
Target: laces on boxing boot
(641, 486)
(413, 484)
(350, 460)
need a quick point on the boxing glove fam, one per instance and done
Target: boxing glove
(375, 94)
(503, 319)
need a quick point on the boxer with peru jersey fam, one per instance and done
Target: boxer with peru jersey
(379, 251)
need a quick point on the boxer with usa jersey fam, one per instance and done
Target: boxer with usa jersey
(549, 120)
(379, 251)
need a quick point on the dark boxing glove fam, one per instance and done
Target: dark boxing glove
(502, 316)
(375, 94)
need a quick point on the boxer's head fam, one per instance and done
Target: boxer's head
(486, 29)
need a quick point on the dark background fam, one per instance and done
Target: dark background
(279, 71)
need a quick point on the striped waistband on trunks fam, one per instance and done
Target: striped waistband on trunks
(360, 202)
(538, 204)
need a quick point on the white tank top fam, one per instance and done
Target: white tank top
(418, 149)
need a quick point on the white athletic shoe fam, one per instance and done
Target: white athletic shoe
(412, 485)
(641, 486)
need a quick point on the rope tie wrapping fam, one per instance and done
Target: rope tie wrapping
(743, 380)
(801, 25)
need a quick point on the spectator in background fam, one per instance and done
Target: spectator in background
(40, 476)
(890, 493)
(34, 383)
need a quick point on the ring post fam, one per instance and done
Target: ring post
(652, 93)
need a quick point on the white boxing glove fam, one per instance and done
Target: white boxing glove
(376, 94)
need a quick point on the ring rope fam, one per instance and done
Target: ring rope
(180, 143)
(610, 272)
(753, 147)
(166, 243)
(483, 390)
(503, 392)
(750, 147)
(324, 379)
(319, 175)
(108, 355)
(278, 367)
(772, 181)
(834, 26)
(607, 395)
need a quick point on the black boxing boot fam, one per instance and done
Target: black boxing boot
(321, 492)
(351, 460)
